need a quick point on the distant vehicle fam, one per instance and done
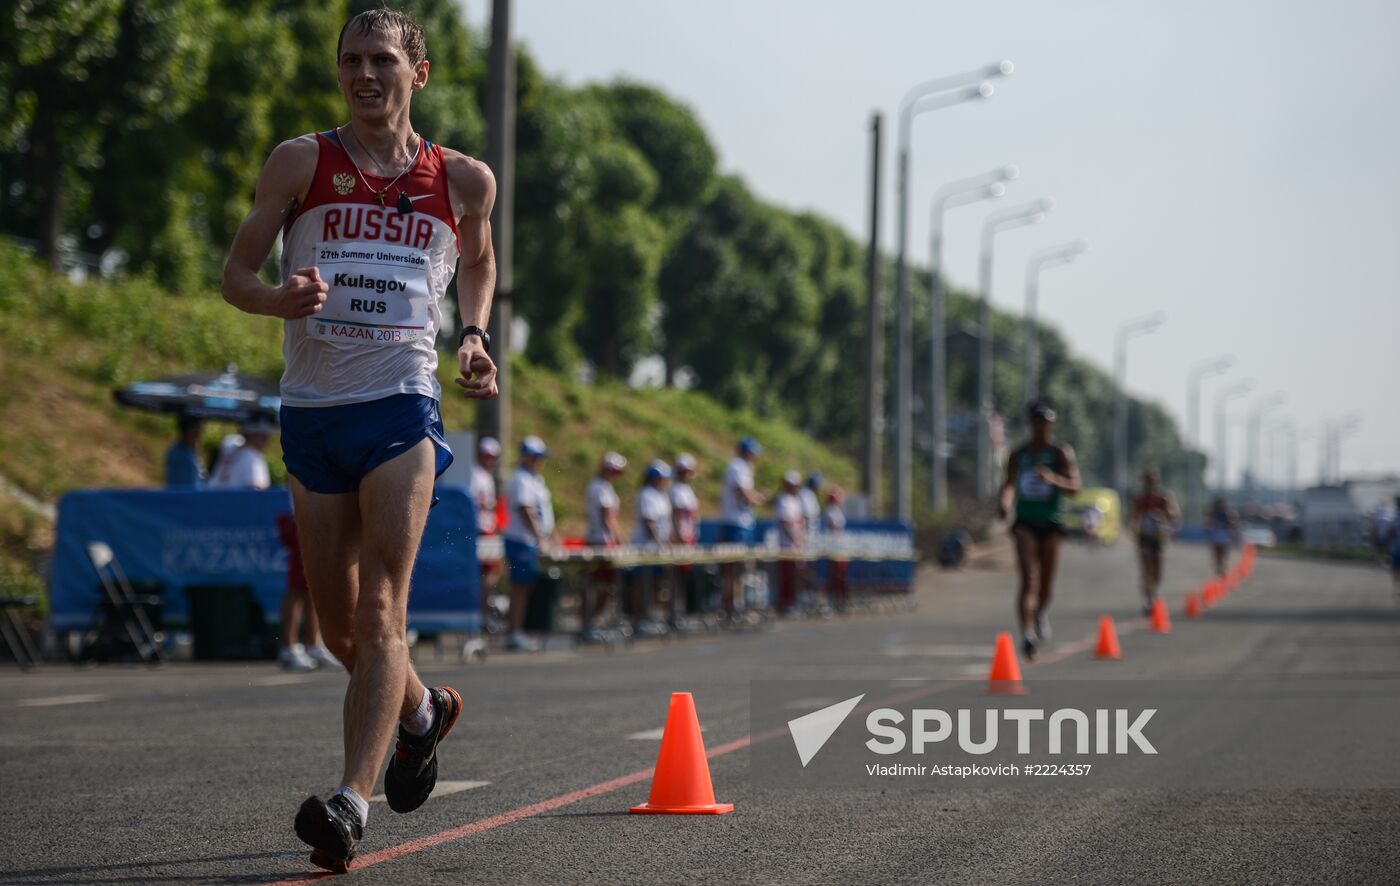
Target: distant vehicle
(1259, 536)
(1095, 515)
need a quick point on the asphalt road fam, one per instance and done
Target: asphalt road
(191, 774)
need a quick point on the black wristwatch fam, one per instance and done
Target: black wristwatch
(479, 333)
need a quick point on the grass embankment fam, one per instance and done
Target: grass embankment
(70, 344)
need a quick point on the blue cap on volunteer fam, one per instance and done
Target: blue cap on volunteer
(750, 446)
(657, 470)
(814, 480)
(533, 445)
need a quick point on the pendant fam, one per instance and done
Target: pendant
(379, 198)
(405, 205)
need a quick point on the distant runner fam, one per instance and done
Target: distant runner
(1221, 526)
(1154, 518)
(1039, 476)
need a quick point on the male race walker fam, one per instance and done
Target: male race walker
(375, 220)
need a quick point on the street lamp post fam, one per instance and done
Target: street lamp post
(1013, 217)
(1199, 373)
(1338, 430)
(932, 95)
(1223, 397)
(1128, 330)
(1052, 257)
(1288, 431)
(959, 193)
(1256, 416)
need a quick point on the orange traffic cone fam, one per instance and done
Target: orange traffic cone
(681, 784)
(1193, 605)
(1005, 678)
(1161, 622)
(1108, 640)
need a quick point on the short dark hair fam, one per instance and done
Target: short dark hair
(391, 22)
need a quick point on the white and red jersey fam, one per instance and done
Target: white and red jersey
(374, 336)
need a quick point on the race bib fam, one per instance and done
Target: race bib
(378, 295)
(1033, 487)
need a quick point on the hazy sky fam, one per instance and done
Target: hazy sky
(1225, 160)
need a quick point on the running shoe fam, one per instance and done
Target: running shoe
(295, 659)
(332, 829)
(413, 769)
(323, 658)
(592, 636)
(519, 641)
(1042, 627)
(1028, 647)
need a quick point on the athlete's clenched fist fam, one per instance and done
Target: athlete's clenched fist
(300, 295)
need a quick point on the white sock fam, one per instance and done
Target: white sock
(360, 804)
(421, 720)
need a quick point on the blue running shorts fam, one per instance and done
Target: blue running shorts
(331, 448)
(735, 533)
(524, 562)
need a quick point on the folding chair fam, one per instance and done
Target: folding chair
(16, 635)
(123, 604)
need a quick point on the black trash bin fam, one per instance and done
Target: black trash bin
(542, 610)
(228, 624)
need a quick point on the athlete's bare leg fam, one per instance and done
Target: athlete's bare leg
(359, 581)
(293, 605)
(1027, 556)
(1049, 562)
(329, 531)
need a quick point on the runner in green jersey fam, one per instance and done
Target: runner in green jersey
(1039, 476)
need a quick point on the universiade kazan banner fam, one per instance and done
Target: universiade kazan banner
(184, 539)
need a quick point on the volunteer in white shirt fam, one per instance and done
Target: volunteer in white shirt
(738, 498)
(246, 466)
(483, 490)
(654, 507)
(601, 503)
(530, 527)
(810, 495)
(685, 530)
(653, 531)
(488, 453)
(787, 509)
(685, 505)
(601, 506)
(792, 532)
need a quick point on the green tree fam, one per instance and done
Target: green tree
(74, 71)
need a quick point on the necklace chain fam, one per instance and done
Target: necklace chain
(379, 195)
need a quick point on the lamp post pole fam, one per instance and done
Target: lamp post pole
(963, 192)
(1128, 330)
(1256, 417)
(932, 95)
(1222, 398)
(1046, 258)
(1005, 220)
(1198, 373)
